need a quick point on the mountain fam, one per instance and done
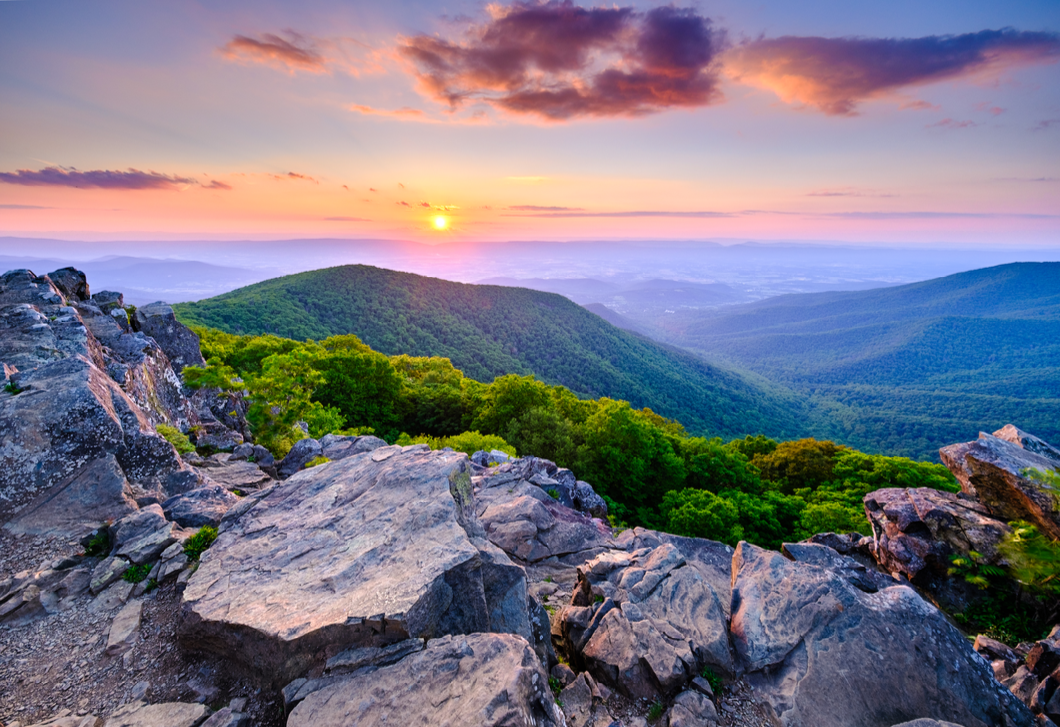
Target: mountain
(910, 366)
(488, 331)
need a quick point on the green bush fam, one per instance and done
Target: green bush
(315, 461)
(199, 542)
(467, 442)
(99, 545)
(136, 573)
(175, 437)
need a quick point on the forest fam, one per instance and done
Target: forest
(649, 468)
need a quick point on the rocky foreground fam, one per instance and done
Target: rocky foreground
(399, 585)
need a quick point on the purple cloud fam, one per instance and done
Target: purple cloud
(296, 52)
(536, 208)
(559, 61)
(835, 74)
(100, 179)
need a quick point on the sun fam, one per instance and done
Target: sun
(441, 222)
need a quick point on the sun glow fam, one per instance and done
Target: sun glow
(441, 222)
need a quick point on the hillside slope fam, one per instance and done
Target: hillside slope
(915, 363)
(490, 330)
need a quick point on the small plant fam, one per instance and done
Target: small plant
(551, 609)
(136, 573)
(712, 679)
(598, 598)
(656, 710)
(544, 599)
(99, 545)
(239, 493)
(553, 493)
(971, 568)
(315, 461)
(151, 585)
(12, 388)
(548, 579)
(555, 685)
(199, 542)
(251, 458)
(177, 438)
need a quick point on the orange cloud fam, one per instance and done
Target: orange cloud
(294, 53)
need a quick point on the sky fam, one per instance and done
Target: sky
(902, 122)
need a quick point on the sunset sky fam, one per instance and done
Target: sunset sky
(884, 122)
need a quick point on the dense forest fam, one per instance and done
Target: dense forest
(905, 369)
(488, 331)
(650, 469)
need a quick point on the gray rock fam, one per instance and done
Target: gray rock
(142, 536)
(646, 622)
(177, 340)
(577, 700)
(125, 629)
(486, 680)
(586, 500)
(65, 719)
(1029, 442)
(861, 577)
(991, 470)
(563, 673)
(227, 717)
(108, 300)
(692, 709)
(927, 723)
(820, 651)
(365, 551)
(199, 507)
(168, 714)
(303, 451)
(336, 447)
(362, 656)
(235, 475)
(242, 452)
(72, 283)
(106, 572)
(918, 529)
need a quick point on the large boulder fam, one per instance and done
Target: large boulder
(822, 652)
(335, 446)
(365, 551)
(992, 470)
(71, 283)
(303, 451)
(484, 680)
(177, 340)
(199, 507)
(917, 530)
(647, 621)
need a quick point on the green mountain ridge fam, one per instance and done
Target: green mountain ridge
(488, 331)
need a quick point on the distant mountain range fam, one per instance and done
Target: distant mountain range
(489, 330)
(906, 368)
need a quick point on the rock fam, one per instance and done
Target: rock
(990, 469)
(1042, 659)
(918, 529)
(577, 700)
(177, 340)
(115, 596)
(335, 447)
(991, 649)
(108, 571)
(242, 452)
(1029, 442)
(586, 500)
(216, 437)
(362, 656)
(125, 629)
(369, 550)
(303, 451)
(235, 475)
(692, 709)
(71, 282)
(227, 717)
(65, 719)
(927, 723)
(819, 651)
(169, 714)
(201, 506)
(647, 621)
(142, 536)
(486, 680)
(108, 300)
(858, 575)
(564, 673)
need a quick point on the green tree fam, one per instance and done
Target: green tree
(281, 396)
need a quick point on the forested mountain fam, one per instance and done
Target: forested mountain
(490, 330)
(906, 369)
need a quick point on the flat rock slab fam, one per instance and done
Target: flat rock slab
(823, 653)
(237, 475)
(125, 628)
(199, 507)
(477, 680)
(365, 551)
(169, 714)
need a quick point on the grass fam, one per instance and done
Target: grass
(197, 544)
(137, 573)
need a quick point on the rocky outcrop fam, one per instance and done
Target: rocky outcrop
(180, 344)
(1031, 672)
(649, 620)
(365, 551)
(823, 652)
(991, 469)
(917, 530)
(486, 680)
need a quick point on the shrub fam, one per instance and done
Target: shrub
(99, 545)
(176, 437)
(713, 679)
(656, 710)
(315, 461)
(199, 542)
(136, 573)
(467, 442)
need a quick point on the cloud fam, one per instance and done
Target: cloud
(536, 208)
(847, 192)
(635, 213)
(405, 112)
(951, 124)
(100, 179)
(835, 74)
(935, 215)
(346, 219)
(558, 61)
(1027, 179)
(1043, 125)
(403, 204)
(24, 207)
(217, 184)
(296, 52)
